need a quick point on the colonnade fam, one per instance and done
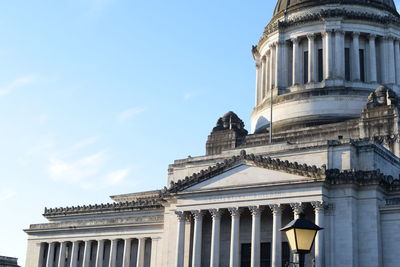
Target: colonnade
(235, 243)
(282, 64)
(138, 252)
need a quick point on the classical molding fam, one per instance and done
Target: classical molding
(180, 215)
(215, 213)
(325, 14)
(276, 209)
(259, 161)
(298, 208)
(197, 214)
(255, 210)
(139, 204)
(235, 211)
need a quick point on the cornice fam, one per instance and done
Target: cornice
(322, 15)
(138, 205)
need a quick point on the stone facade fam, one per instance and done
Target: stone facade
(8, 262)
(329, 147)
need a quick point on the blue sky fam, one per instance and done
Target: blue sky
(98, 96)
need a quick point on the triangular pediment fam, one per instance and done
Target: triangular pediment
(246, 170)
(246, 175)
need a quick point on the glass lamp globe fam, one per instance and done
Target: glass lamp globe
(301, 234)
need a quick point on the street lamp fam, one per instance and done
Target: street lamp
(301, 234)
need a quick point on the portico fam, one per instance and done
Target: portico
(260, 218)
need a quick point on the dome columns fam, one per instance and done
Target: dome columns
(328, 54)
(296, 70)
(339, 55)
(355, 57)
(372, 58)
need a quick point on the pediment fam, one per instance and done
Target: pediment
(246, 170)
(246, 175)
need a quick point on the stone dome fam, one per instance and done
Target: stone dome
(317, 61)
(290, 5)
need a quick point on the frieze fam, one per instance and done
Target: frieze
(328, 13)
(97, 223)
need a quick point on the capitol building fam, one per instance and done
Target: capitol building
(324, 140)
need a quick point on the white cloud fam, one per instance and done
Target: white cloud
(7, 194)
(18, 83)
(76, 171)
(116, 177)
(130, 113)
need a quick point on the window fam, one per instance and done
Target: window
(305, 67)
(347, 63)
(320, 66)
(362, 65)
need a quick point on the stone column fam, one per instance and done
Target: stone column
(263, 78)
(180, 243)
(391, 62)
(215, 237)
(297, 209)
(284, 68)
(100, 253)
(154, 252)
(50, 255)
(271, 68)
(197, 237)
(86, 253)
(255, 236)
(312, 70)
(327, 51)
(276, 235)
(61, 255)
(339, 54)
(312, 59)
(280, 64)
(397, 59)
(74, 254)
(296, 73)
(113, 253)
(235, 238)
(141, 252)
(126, 261)
(258, 82)
(319, 208)
(372, 59)
(355, 57)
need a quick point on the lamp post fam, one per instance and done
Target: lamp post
(301, 234)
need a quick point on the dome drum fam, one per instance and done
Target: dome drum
(334, 63)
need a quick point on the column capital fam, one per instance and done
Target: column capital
(355, 34)
(197, 214)
(295, 40)
(276, 209)
(388, 37)
(327, 32)
(319, 206)
(339, 31)
(372, 36)
(215, 213)
(311, 36)
(255, 210)
(272, 45)
(180, 214)
(297, 207)
(235, 211)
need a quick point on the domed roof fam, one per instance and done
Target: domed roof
(289, 5)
